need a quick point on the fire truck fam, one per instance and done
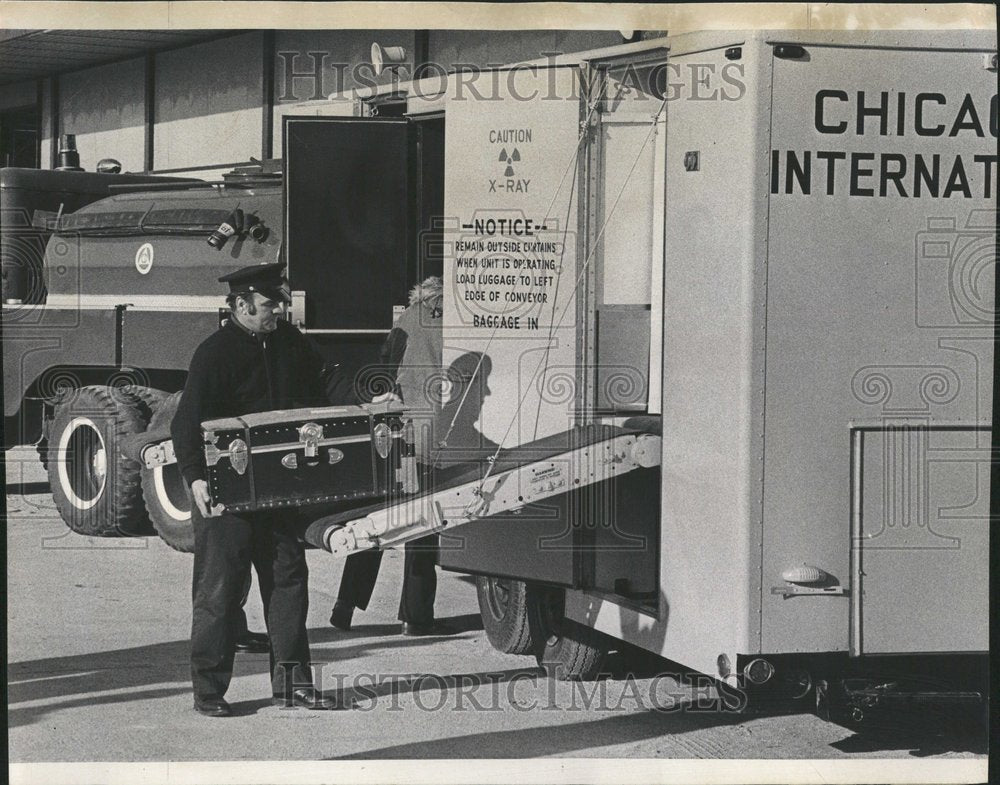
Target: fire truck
(731, 298)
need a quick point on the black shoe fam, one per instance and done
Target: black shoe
(434, 628)
(306, 698)
(212, 707)
(340, 616)
(254, 643)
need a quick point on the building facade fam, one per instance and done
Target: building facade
(189, 101)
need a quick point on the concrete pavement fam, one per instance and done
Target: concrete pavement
(98, 671)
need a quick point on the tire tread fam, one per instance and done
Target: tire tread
(512, 633)
(177, 534)
(568, 651)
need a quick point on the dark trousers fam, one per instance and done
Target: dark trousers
(240, 628)
(224, 549)
(416, 604)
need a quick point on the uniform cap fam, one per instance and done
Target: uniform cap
(265, 279)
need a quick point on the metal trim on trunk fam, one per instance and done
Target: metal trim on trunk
(217, 455)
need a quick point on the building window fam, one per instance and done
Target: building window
(20, 144)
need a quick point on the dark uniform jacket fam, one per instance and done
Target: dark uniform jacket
(235, 372)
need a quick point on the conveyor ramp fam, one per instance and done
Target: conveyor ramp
(483, 485)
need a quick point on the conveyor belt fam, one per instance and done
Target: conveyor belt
(520, 476)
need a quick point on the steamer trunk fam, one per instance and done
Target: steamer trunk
(295, 457)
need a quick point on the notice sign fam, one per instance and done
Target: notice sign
(504, 268)
(511, 246)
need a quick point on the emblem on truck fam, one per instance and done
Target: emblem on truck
(144, 258)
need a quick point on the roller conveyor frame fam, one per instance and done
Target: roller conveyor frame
(517, 478)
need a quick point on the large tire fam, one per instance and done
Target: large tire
(167, 502)
(567, 650)
(96, 488)
(148, 398)
(151, 399)
(503, 604)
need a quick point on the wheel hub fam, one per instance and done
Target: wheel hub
(99, 464)
(82, 463)
(499, 597)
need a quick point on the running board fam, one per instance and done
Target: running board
(504, 491)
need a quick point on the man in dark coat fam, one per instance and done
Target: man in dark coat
(255, 362)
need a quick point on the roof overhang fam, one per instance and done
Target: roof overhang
(35, 54)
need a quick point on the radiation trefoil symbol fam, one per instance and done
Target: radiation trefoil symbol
(509, 160)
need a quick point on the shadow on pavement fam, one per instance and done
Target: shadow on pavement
(633, 662)
(468, 622)
(139, 666)
(377, 637)
(341, 654)
(327, 634)
(75, 679)
(923, 731)
(392, 685)
(246, 708)
(401, 685)
(457, 625)
(32, 714)
(27, 488)
(546, 740)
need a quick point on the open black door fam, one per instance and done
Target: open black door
(348, 218)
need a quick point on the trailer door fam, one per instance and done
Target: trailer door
(535, 212)
(347, 219)
(511, 295)
(625, 238)
(626, 225)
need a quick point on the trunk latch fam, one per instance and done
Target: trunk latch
(309, 435)
(238, 455)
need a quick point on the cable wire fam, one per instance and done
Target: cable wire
(583, 269)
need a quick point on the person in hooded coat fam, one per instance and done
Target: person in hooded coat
(412, 353)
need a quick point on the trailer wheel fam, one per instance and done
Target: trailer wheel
(95, 488)
(164, 491)
(568, 651)
(503, 604)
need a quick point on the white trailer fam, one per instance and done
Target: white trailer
(764, 263)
